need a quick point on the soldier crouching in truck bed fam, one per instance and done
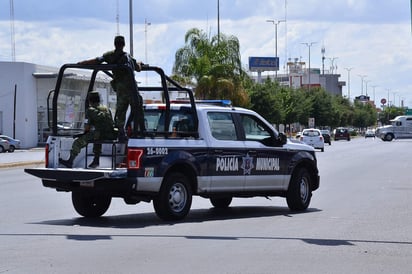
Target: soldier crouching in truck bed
(98, 126)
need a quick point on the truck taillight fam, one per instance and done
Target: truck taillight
(46, 156)
(133, 158)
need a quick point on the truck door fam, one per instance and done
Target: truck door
(226, 153)
(269, 162)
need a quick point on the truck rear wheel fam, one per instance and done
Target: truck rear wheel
(90, 204)
(175, 198)
(300, 190)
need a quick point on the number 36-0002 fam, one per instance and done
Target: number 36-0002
(157, 150)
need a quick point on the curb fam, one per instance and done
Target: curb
(16, 164)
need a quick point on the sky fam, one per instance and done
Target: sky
(367, 41)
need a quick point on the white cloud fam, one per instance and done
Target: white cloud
(373, 37)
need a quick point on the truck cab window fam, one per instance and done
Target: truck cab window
(222, 126)
(255, 130)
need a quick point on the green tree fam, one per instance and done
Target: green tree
(389, 113)
(322, 106)
(213, 65)
(264, 102)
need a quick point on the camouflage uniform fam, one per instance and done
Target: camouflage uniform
(101, 128)
(123, 85)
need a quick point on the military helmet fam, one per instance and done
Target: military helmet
(94, 96)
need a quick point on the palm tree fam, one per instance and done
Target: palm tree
(213, 65)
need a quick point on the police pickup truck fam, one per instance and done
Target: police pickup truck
(187, 147)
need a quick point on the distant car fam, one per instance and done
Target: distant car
(341, 133)
(313, 137)
(326, 136)
(370, 133)
(4, 145)
(14, 143)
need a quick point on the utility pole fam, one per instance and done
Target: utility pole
(218, 21)
(131, 25)
(13, 42)
(323, 50)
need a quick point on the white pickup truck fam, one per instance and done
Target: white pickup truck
(400, 128)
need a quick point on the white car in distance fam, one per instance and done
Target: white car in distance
(313, 137)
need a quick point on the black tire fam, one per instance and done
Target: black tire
(90, 204)
(389, 137)
(175, 198)
(11, 149)
(322, 149)
(221, 202)
(300, 190)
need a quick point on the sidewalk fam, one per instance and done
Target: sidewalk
(22, 157)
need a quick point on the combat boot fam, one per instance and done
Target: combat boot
(67, 163)
(95, 162)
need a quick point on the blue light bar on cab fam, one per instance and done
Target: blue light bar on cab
(223, 102)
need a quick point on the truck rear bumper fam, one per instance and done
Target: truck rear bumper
(73, 175)
(113, 182)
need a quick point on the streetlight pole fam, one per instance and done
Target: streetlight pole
(309, 45)
(349, 69)
(276, 23)
(146, 24)
(362, 77)
(388, 90)
(374, 86)
(366, 85)
(394, 102)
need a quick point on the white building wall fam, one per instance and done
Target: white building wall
(19, 75)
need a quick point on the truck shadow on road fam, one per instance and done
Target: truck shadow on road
(143, 220)
(195, 216)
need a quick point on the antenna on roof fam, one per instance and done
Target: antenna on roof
(13, 42)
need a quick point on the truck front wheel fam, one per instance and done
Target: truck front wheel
(90, 204)
(174, 199)
(300, 190)
(389, 137)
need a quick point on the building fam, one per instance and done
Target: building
(24, 91)
(298, 76)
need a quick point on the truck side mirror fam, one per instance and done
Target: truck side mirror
(282, 139)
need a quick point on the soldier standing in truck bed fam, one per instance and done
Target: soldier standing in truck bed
(122, 84)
